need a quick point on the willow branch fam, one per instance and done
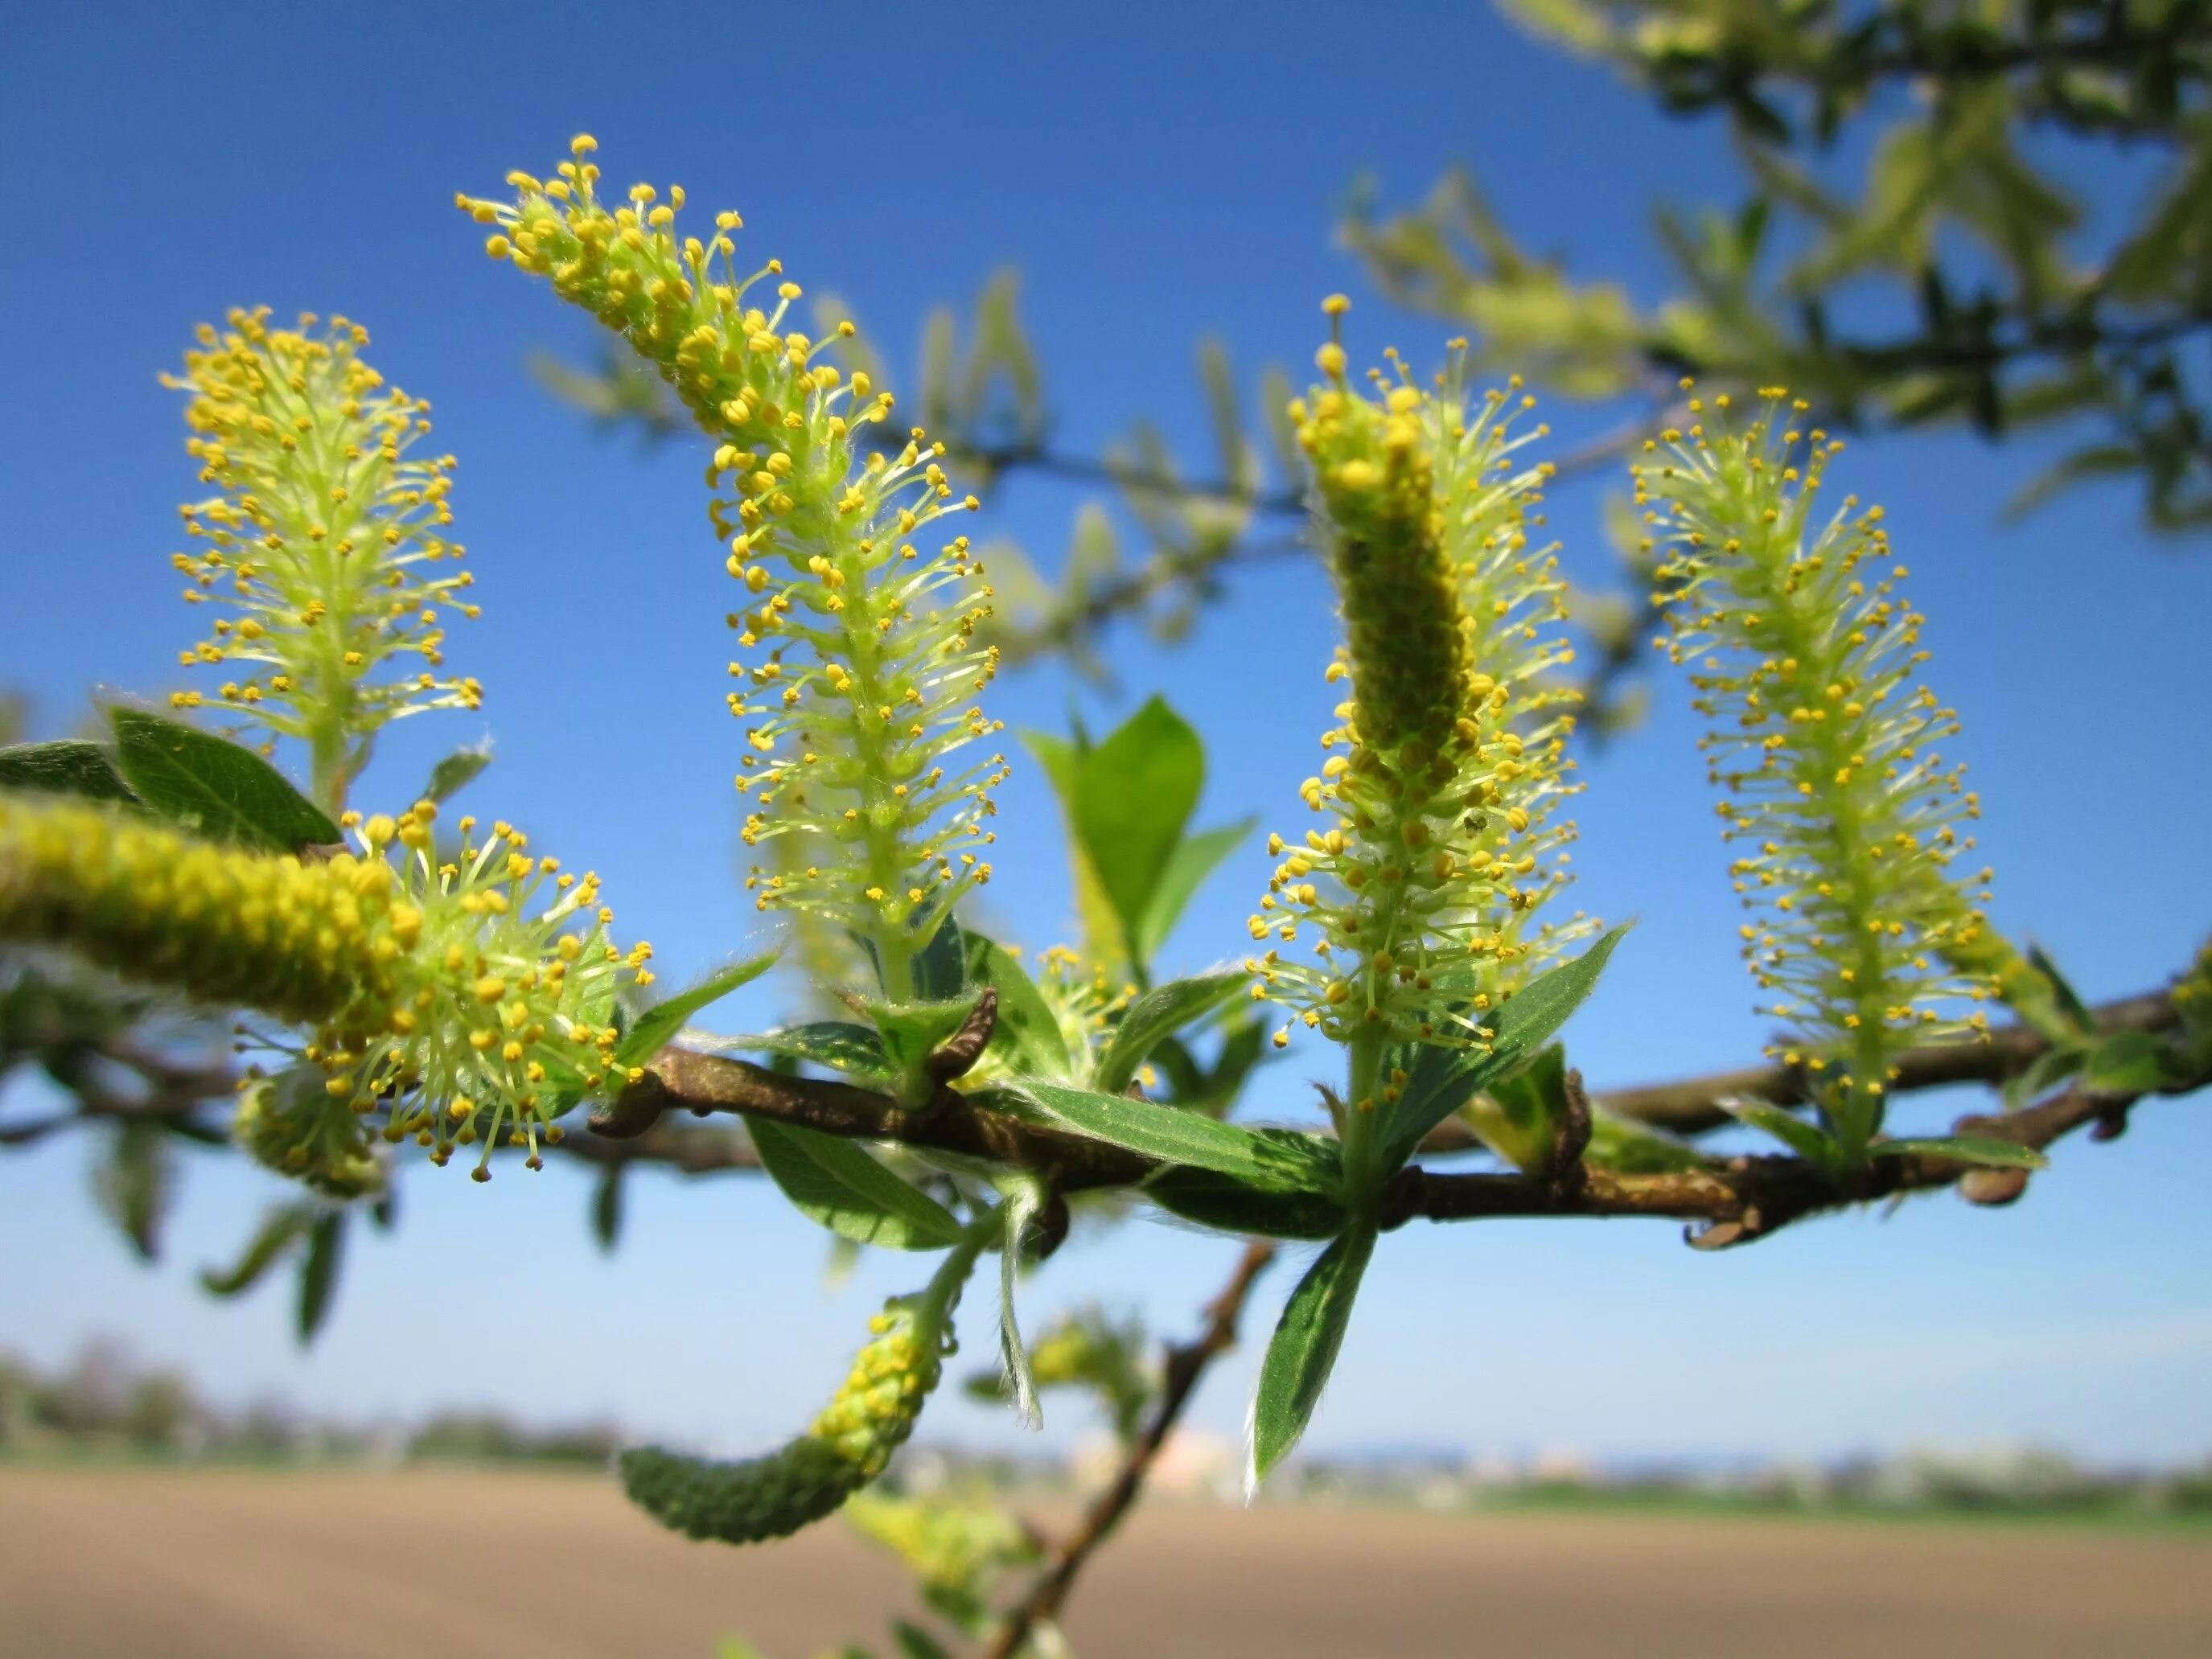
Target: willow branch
(1746, 1198)
(1693, 1105)
(1185, 1364)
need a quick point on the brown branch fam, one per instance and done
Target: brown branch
(953, 1122)
(1741, 1198)
(1185, 1364)
(1691, 1105)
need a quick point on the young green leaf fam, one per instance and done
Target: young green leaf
(1025, 1198)
(1193, 860)
(1808, 1140)
(940, 967)
(1440, 1080)
(1304, 1350)
(135, 1180)
(1274, 1160)
(911, 1032)
(1026, 1037)
(281, 1229)
(835, 1182)
(1516, 1116)
(1134, 794)
(70, 766)
(213, 785)
(1230, 1206)
(915, 1643)
(651, 1030)
(2126, 1063)
(840, 1045)
(1965, 1149)
(454, 772)
(607, 1208)
(1622, 1144)
(1159, 1014)
(319, 1273)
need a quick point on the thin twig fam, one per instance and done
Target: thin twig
(1185, 1364)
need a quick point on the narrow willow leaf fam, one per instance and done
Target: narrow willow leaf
(1027, 1037)
(1622, 1144)
(651, 1030)
(319, 1273)
(2126, 1063)
(69, 767)
(135, 1180)
(1159, 1014)
(1193, 859)
(915, 1643)
(607, 1208)
(1023, 1199)
(1808, 1140)
(280, 1230)
(1230, 1206)
(840, 1045)
(1965, 1149)
(456, 772)
(206, 783)
(1304, 1350)
(835, 1182)
(1281, 1163)
(940, 967)
(1439, 1080)
(1134, 794)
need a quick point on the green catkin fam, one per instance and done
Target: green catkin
(865, 667)
(445, 997)
(324, 554)
(1803, 653)
(1440, 842)
(847, 1447)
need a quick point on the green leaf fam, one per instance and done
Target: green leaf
(835, 1182)
(1133, 794)
(1965, 1149)
(1027, 1037)
(653, 1030)
(1624, 1145)
(2069, 1000)
(1304, 1350)
(319, 1273)
(228, 793)
(135, 1181)
(454, 772)
(1440, 1080)
(1230, 1206)
(607, 1208)
(1273, 1160)
(1518, 1117)
(1159, 1014)
(840, 1045)
(1193, 860)
(2126, 1063)
(1025, 1198)
(281, 1228)
(911, 1032)
(70, 766)
(915, 1643)
(940, 967)
(1808, 1140)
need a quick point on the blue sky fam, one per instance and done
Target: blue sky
(1159, 174)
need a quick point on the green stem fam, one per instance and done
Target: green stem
(1362, 1180)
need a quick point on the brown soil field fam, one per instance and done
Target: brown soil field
(461, 1564)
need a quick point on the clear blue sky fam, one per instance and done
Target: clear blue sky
(1159, 173)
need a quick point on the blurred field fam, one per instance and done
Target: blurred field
(241, 1565)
